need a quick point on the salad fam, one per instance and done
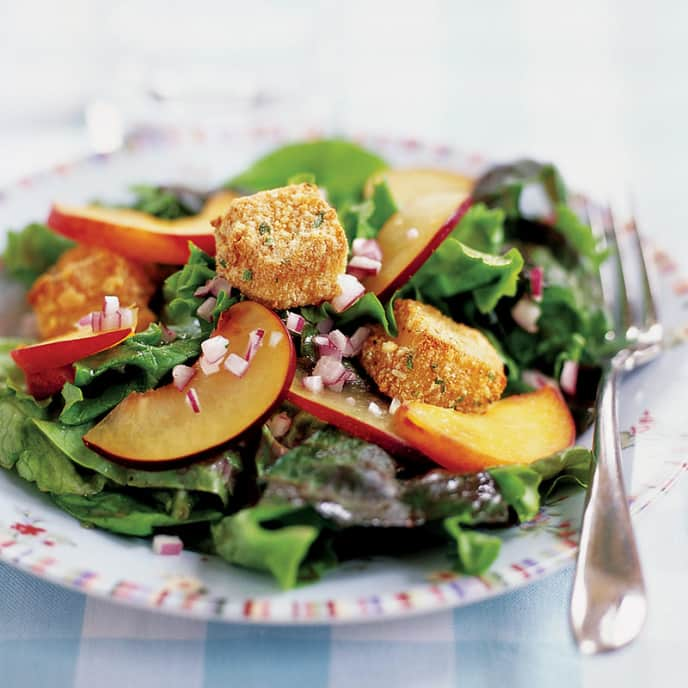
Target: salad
(322, 360)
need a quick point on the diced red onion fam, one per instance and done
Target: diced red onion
(97, 321)
(330, 369)
(357, 339)
(215, 348)
(536, 283)
(110, 305)
(313, 383)
(85, 321)
(205, 310)
(326, 347)
(236, 364)
(350, 291)
(569, 377)
(168, 335)
(126, 317)
(394, 406)
(112, 321)
(325, 326)
(255, 337)
(275, 338)
(220, 284)
(363, 266)
(207, 367)
(367, 248)
(204, 290)
(192, 400)
(536, 379)
(279, 425)
(295, 322)
(412, 233)
(351, 401)
(182, 375)
(340, 342)
(375, 409)
(168, 545)
(214, 287)
(525, 314)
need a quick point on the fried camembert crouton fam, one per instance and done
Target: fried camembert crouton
(77, 283)
(435, 360)
(283, 247)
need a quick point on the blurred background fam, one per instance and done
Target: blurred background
(597, 86)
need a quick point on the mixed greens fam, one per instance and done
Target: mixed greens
(297, 504)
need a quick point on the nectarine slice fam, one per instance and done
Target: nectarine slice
(161, 425)
(408, 184)
(349, 410)
(68, 348)
(409, 237)
(515, 430)
(138, 235)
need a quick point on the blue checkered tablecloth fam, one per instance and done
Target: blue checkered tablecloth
(53, 637)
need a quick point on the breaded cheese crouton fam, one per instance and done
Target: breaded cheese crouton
(283, 247)
(77, 283)
(434, 360)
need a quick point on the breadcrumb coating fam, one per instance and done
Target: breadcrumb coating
(434, 360)
(77, 283)
(283, 248)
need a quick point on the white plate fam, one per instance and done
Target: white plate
(37, 537)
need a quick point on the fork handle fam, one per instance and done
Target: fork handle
(608, 602)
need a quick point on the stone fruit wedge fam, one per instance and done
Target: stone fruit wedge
(355, 418)
(408, 184)
(514, 430)
(161, 426)
(138, 235)
(409, 237)
(66, 349)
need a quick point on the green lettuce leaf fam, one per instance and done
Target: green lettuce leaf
(31, 251)
(27, 451)
(475, 550)
(179, 313)
(365, 219)
(139, 363)
(215, 476)
(124, 514)
(522, 486)
(579, 235)
(165, 202)
(339, 166)
(455, 268)
(280, 549)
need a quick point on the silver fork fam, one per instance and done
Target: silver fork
(608, 601)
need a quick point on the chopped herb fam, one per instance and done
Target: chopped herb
(318, 220)
(491, 376)
(409, 361)
(268, 241)
(441, 384)
(222, 262)
(248, 275)
(264, 228)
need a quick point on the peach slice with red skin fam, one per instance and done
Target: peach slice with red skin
(138, 235)
(66, 349)
(516, 430)
(407, 184)
(410, 236)
(159, 426)
(349, 411)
